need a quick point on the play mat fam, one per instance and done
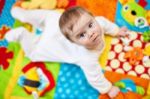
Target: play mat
(125, 61)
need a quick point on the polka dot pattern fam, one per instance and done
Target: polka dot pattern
(133, 73)
(139, 69)
(149, 71)
(111, 55)
(72, 84)
(118, 48)
(141, 38)
(108, 68)
(115, 41)
(120, 70)
(146, 76)
(117, 63)
(133, 35)
(121, 57)
(137, 43)
(127, 66)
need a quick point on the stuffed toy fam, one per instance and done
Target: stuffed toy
(126, 85)
(148, 93)
(38, 4)
(46, 4)
(121, 95)
(146, 36)
(36, 79)
(62, 3)
(65, 4)
(134, 55)
(128, 90)
(134, 13)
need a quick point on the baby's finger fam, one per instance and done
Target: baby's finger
(127, 34)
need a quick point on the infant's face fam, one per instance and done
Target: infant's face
(87, 32)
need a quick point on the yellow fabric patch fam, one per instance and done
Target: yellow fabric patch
(15, 75)
(17, 97)
(104, 56)
(148, 90)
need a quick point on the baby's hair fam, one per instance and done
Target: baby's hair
(69, 18)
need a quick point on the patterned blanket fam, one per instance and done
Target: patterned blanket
(62, 80)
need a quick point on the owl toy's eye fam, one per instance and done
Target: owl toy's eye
(126, 7)
(141, 22)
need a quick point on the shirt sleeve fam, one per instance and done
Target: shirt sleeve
(55, 48)
(109, 27)
(33, 17)
(95, 77)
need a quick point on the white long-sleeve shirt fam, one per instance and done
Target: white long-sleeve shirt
(52, 46)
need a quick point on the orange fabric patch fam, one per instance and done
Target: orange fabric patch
(106, 8)
(128, 95)
(114, 77)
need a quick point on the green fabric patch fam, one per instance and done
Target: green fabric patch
(7, 74)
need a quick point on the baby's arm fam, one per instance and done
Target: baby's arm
(95, 77)
(97, 80)
(111, 28)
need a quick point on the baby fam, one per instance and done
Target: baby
(81, 27)
(74, 37)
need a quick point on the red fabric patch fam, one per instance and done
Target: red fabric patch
(2, 3)
(47, 73)
(117, 63)
(3, 31)
(71, 3)
(143, 3)
(5, 55)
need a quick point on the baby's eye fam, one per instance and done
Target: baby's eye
(90, 25)
(82, 35)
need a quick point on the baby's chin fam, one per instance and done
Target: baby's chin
(100, 46)
(97, 47)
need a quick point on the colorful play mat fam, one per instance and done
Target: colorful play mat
(125, 61)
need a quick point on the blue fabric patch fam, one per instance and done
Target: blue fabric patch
(6, 18)
(72, 84)
(3, 43)
(38, 31)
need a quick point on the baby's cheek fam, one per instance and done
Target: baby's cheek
(101, 32)
(85, 42)
(102, 44)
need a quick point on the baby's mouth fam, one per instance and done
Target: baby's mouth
(96, 39)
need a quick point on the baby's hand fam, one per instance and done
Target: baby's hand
(113, 92)
(123, 32)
